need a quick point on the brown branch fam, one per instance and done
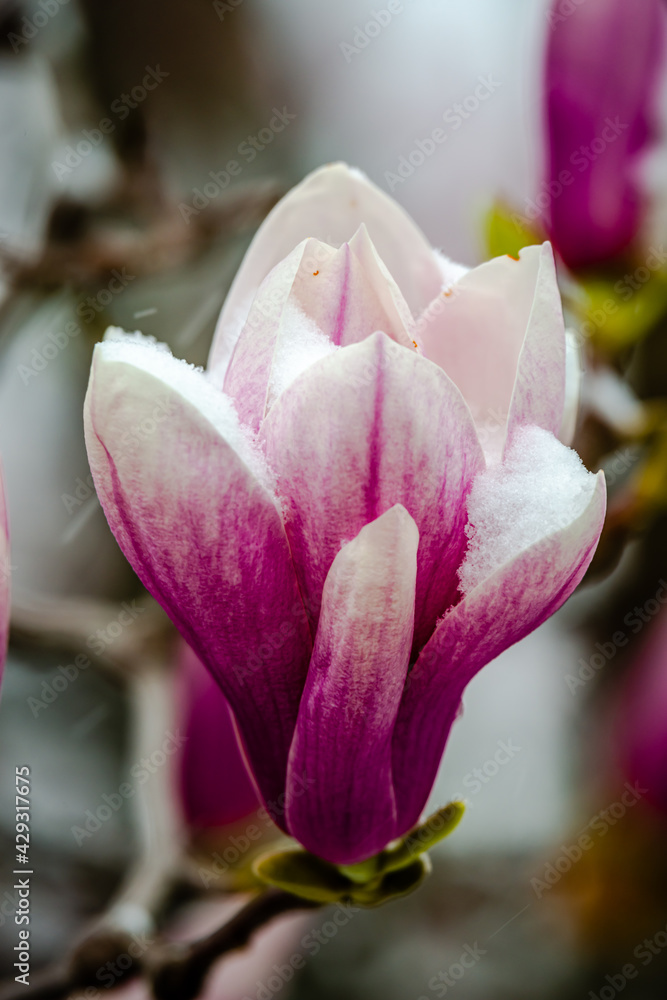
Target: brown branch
(51, 985)
(181, 977)
(80, 971)
(176, 971)
(164, 243)
(69, 622)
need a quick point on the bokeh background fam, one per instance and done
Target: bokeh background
(117, 125)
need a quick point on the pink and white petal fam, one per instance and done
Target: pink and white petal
(476, 329)
(539, 390)
(347, 293)
(330, 204)
(190, 503)
(371, 426)
(397, 322)
(535, 524)
(340, 797)
(315, 300)
(246, 379)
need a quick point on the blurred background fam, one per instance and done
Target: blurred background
(118, 206)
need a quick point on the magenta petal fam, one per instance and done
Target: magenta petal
(184, 495)
(641, 710)
(340, 798)
(371, 426)
(602, 71)
(504, 600)
(214, 783)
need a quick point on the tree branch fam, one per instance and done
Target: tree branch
(181, 977)
(176, 971)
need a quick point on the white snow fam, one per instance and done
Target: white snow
(300, 344)
(192, 385)
(540, 488)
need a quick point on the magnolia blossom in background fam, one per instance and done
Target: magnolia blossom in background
(215, 787)
(603, 63)
(642, 716)
(360, 504)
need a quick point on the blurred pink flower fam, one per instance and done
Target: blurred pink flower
(216, 788)
(642, 716)
(602, 68)
(319, 515)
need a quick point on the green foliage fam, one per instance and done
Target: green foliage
(616, 316)
(507, 232)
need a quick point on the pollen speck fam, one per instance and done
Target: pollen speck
(315, 273)
(447, 293)
(415, 344)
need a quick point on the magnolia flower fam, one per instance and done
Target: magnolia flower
(602, 69)
(317, 513)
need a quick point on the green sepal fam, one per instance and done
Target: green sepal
(423, 837)
(303, 874)
(393, 884)
(404, 851)
(394, 872)
(364, 871)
